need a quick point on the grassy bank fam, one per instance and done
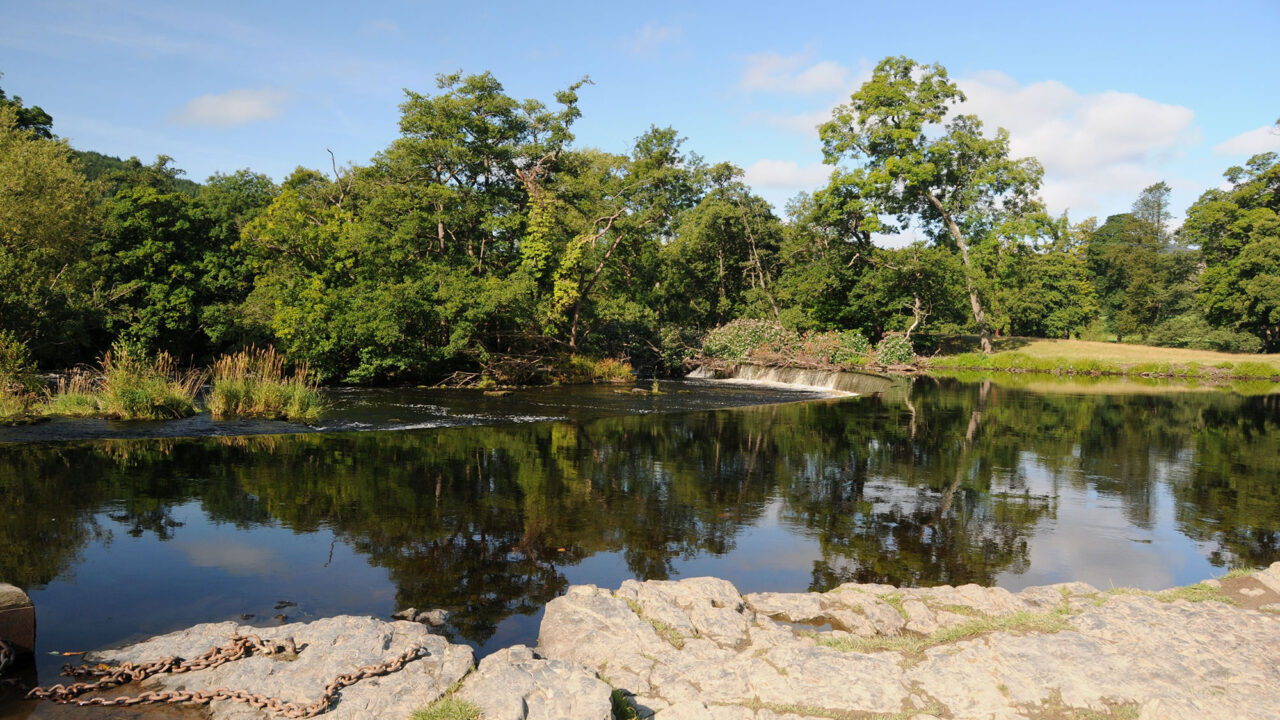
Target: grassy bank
(1083, 357)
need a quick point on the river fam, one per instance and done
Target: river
(491, 506)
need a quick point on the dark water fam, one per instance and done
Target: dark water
(936, 482)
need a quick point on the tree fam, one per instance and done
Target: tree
(1238, 233)
(47, 217)
(31, 119)
(722, 262)
(960, 187)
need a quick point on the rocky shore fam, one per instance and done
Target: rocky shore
(697, 649)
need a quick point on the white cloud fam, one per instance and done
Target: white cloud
(1263, 139)
(786, 175)
(774, 72)
(232, 108)
(649, 37)
(1099, 150)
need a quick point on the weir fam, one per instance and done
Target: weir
(858, 383)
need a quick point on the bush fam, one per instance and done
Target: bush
(1191, 330)
(17, 379)
(848, 347)
(1255, 370)
(740, 339)
(676, 346)
(579, 369)
(895, 350)
(253, 383)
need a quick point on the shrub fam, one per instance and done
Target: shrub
(740, 339)
(253, 383)
(895, 350)
(17, 379)
(846, 347)
(579, 369)
(1252, 369)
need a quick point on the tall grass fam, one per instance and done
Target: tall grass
(579, 369)
(129, 385)
(253, 383)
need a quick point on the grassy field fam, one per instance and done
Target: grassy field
(1083, 357)
(1115, 352)
(1123, 354)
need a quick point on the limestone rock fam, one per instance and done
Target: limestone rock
(1171, 660)
(515, 684)
(326, 648)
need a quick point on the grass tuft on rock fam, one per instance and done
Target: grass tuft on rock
(449, 708)
(253, 383)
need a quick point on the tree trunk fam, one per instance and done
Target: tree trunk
(979, 317)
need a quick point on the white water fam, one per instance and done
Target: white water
(844, 383)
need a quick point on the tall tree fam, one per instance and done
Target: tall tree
(959, 186)
(1238, 232)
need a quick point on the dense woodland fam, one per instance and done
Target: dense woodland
(483, 232)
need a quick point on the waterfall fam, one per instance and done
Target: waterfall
(856, 383)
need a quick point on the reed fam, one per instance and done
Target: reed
(129, 385)
(254, 383)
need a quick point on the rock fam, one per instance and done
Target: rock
(17, 618)
(409, 613)
(326, 648)
(515, 684)
(434, 618)
(736, 658)
(1270, 577)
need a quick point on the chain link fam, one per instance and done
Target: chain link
(241, 646)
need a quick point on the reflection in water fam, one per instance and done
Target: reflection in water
(950, 483)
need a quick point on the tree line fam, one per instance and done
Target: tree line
(483, 232)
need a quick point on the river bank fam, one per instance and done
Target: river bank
(698, 649)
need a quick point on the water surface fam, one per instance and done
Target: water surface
(490, 507)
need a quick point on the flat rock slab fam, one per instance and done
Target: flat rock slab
(516, 684)
(698, 650)
(326, 649)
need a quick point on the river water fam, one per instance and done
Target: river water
(491, 506)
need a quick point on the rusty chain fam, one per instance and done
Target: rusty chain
(240, 647)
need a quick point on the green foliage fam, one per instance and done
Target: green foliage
(17, 374)
(33, 120)
(895, 350)
(1192, 330)
(47, 216)
(741, 339)
(950, 180)
(17, 379)
(253, 383)
(1238, 232)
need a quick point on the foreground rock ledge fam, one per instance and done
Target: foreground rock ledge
(697, 649)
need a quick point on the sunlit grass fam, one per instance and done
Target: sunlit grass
(253, 383)
(129, 386)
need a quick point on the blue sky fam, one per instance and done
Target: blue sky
(1110, 96)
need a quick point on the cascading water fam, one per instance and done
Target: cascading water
(858, 383)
